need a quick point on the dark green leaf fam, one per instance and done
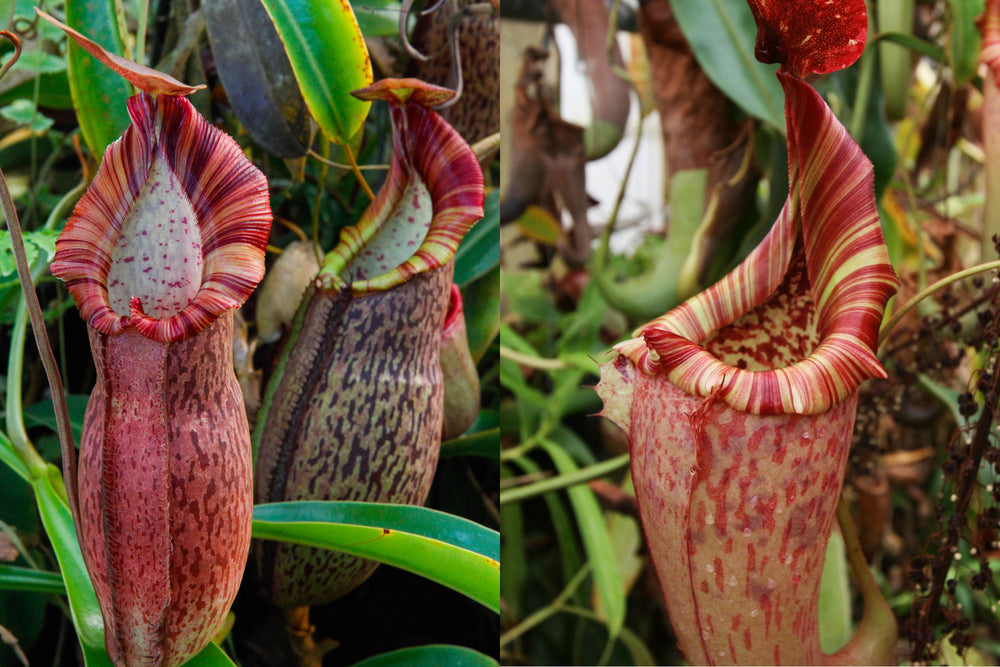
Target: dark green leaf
(259, 80)
(483, 443)
(430, 656)
(964, 39)
(42, 413)
(17, 578)
(210, 656)
(448, 549)
(722, 35)
(481, 304)
(479, 251)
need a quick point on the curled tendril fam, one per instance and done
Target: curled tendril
(16, 41)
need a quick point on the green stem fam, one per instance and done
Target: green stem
(547, 611)
(530, 361)
(13, 409)
(580, 476)
(891, 323)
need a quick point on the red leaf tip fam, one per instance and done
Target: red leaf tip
(810, 36)
(144, 78)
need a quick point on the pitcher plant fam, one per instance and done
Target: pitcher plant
(354, 407)
(168, 240)
(739, 404)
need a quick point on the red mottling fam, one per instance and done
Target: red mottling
(719, 574)
(810, 36)
(748, 639)
(704, 586)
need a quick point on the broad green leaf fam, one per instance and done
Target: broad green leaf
(596, 540)
(329, 58)
(14, 578)
(37, 243)
(41, 62)
(98, 93)
(964, 39)
(259, 81)
(448, 549)
(722, 34)
(479, 251)
(430, 656)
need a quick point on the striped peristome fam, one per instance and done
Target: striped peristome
(226, 194)
(832, 220)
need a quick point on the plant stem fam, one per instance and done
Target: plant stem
(891, 323)
(357, 171)
(530, 361)
(927, 611)
(580, 476)
(34, 310)
(548, 611)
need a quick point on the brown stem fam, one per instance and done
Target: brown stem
(38, 329)
(927, 610)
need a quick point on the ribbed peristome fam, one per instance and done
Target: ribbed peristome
(432, 167)
(175, 223)
(793, 328)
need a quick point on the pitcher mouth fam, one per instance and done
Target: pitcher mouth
(431, 198)
(172, 231)
(822, 275)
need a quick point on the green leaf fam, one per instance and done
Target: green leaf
(722, 35)
(210, 656)
(41, 62)
(9, 456)
(23, 112)
(448, 549)
(42, 414)
(377, 18)
(51, 498)
(484, 443)
(259, 81)
(36, 243)
(329, 58)
(433, 655)
(479, 251)
(834, 597)
(596, 539)
(98, 93)
(481, 303)
(14, 578)
(964, 39)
